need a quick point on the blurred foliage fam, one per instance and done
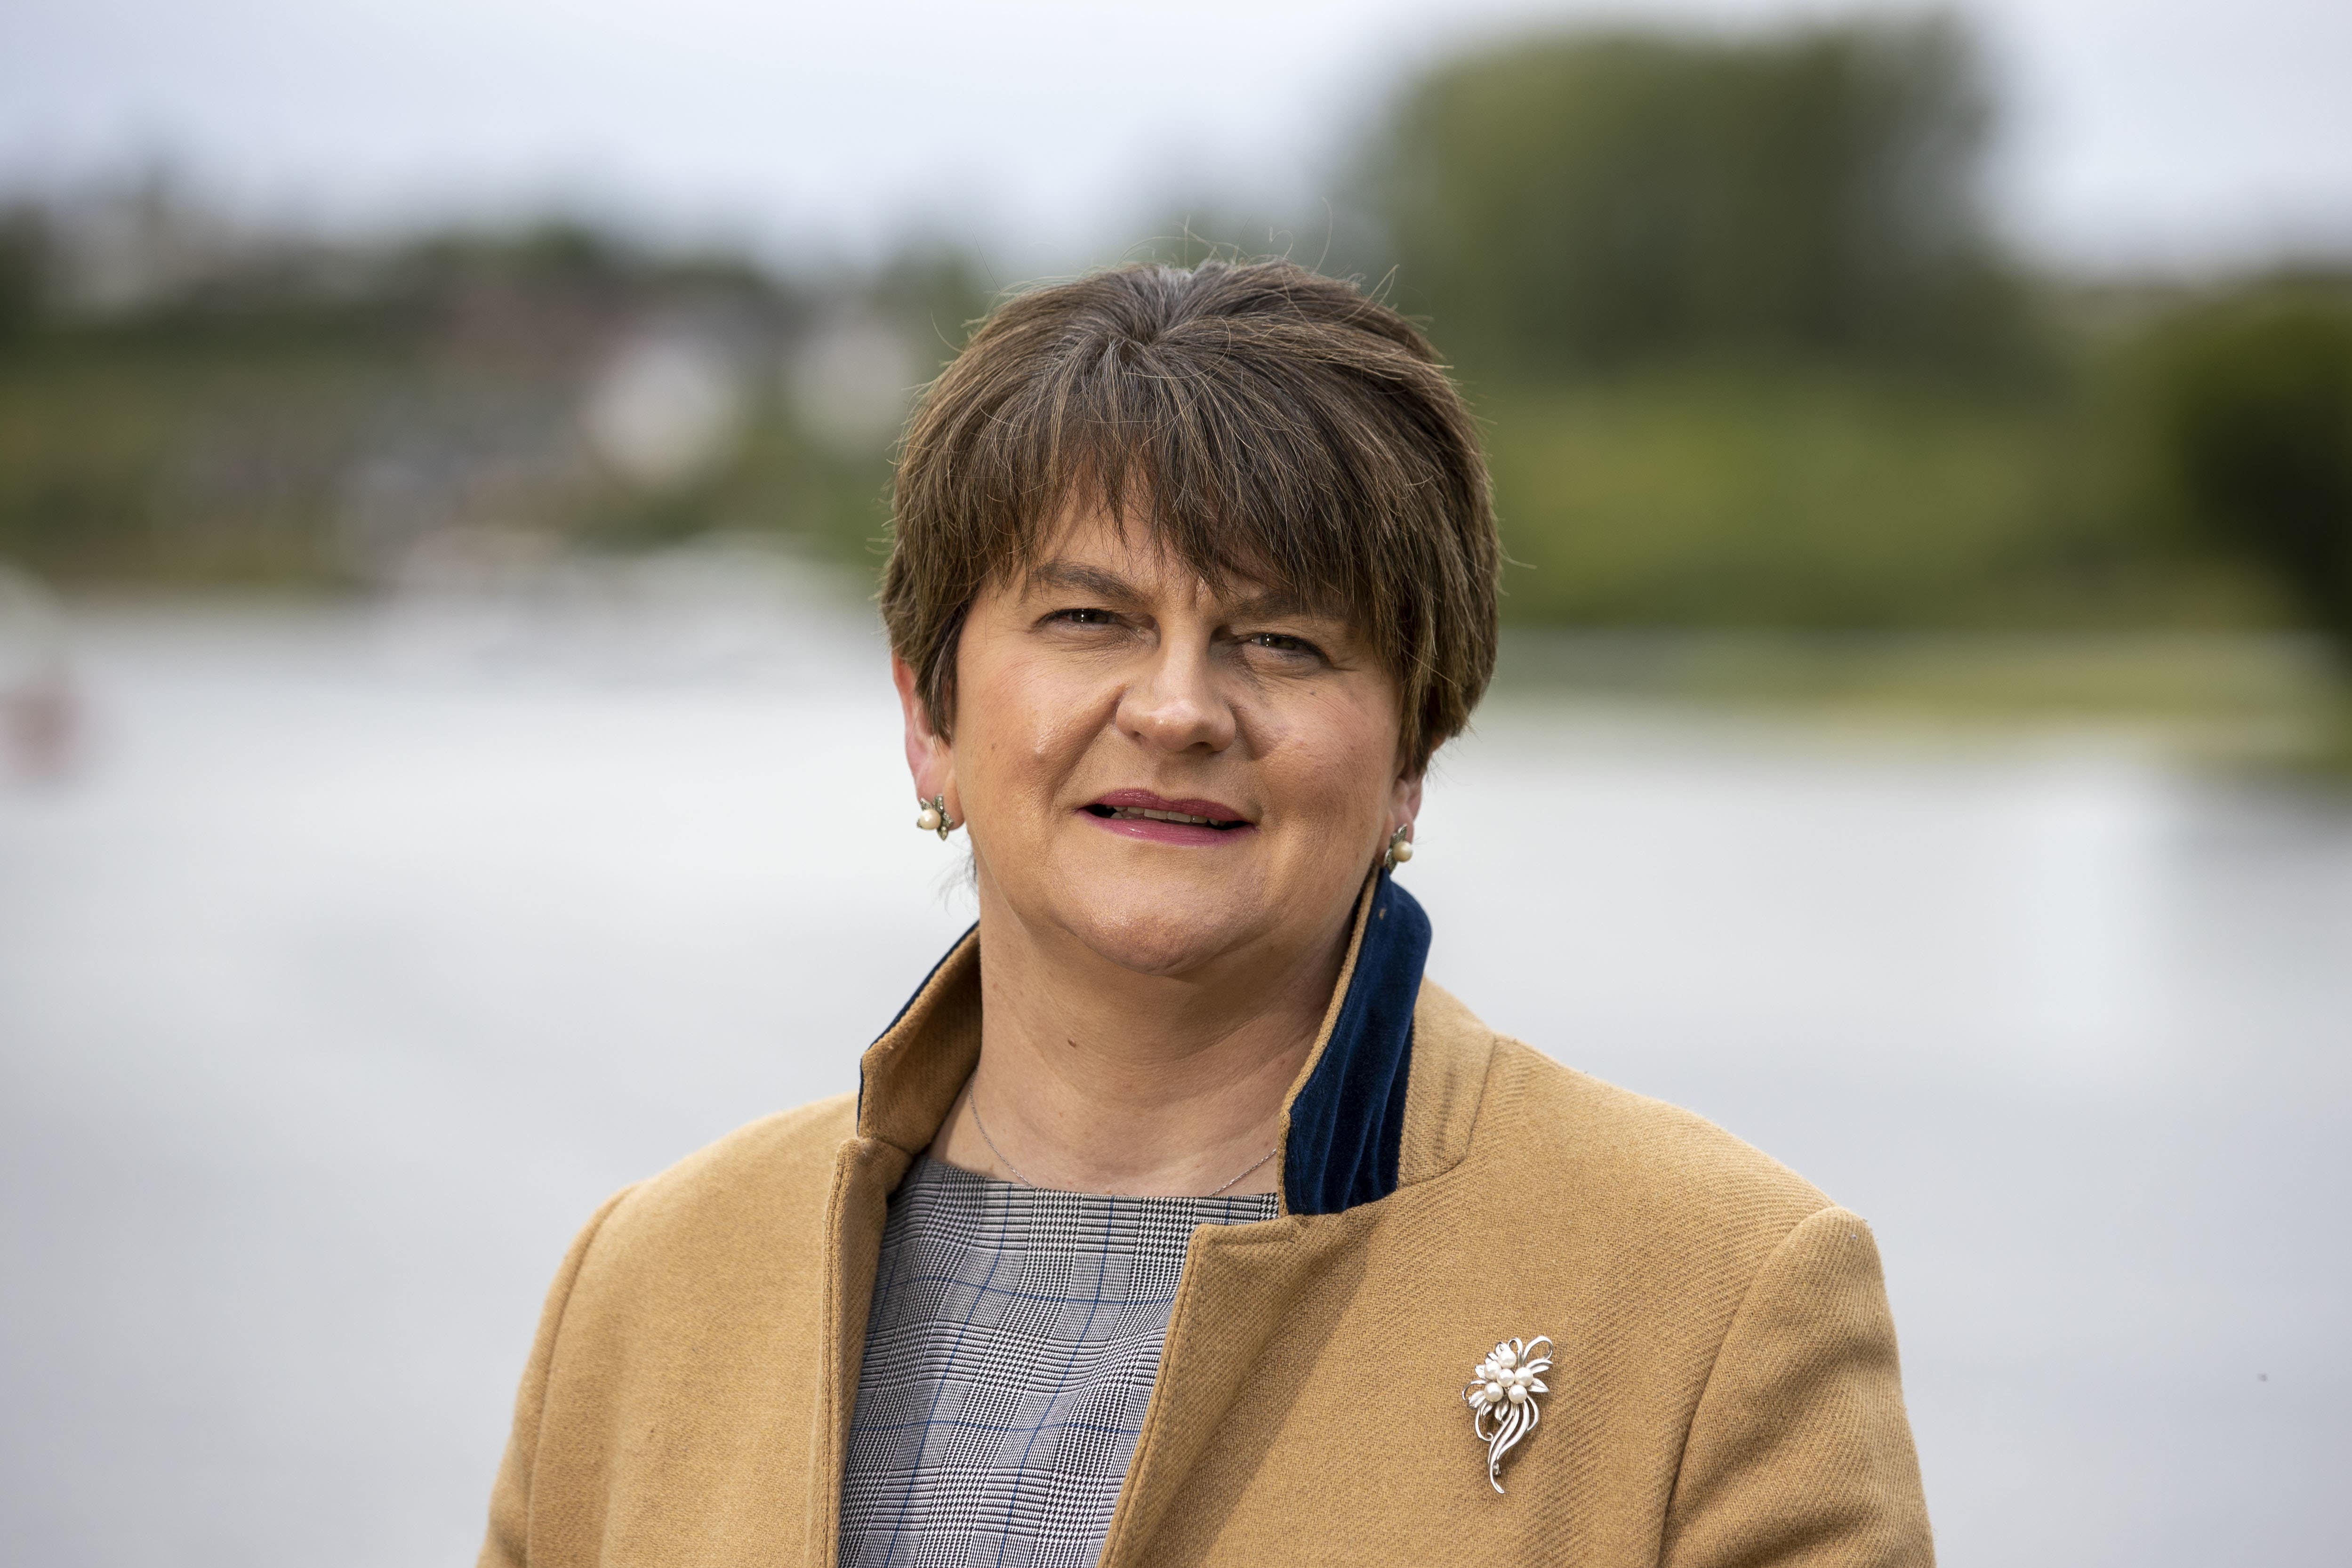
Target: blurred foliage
(1745, 350)
(133, 458)
(24, 268)
(1590, 202)
(1827, 500)
(2254, 418)
(1748, 355)
(280, 413)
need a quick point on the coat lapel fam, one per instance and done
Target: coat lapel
(908, 1080)
(1247, 1290)
(864, 1173)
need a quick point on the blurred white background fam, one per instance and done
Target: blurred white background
(369, 950)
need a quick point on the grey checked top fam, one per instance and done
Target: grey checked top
(1009, 1353)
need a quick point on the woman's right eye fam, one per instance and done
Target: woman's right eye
(1082, 617)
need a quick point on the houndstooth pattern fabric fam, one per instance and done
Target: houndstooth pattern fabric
(1009, 1353)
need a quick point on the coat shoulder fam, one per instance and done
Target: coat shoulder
(761, 1189)
(1610, 1160)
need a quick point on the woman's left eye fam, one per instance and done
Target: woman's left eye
(1283, 642)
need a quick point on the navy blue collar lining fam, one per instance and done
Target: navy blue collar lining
(1347, 1126)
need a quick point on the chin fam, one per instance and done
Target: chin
(1167, 936)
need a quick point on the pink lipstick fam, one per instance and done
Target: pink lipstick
(1140, 814)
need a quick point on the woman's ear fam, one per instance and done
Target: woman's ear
(929, 756)
(1404, 801)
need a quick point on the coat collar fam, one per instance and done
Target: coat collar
(1388, 1097)
(1362, 1118)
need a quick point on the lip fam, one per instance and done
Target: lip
(1144, 800)
(1157, 832)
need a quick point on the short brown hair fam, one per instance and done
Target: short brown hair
(1267, 421)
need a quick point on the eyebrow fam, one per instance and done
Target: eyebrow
(1098, 583)
(1078, 579)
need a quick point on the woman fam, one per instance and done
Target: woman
(1178, 1218)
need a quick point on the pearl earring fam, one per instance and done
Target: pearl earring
(933, 817)
(1400, 848)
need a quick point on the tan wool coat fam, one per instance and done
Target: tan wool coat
(1723, 1391)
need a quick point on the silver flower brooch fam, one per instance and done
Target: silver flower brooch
(1502, 1397)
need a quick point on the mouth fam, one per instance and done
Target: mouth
(1139, 814)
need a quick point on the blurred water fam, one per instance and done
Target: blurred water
(364, 952)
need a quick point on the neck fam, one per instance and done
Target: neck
(1092, 1078)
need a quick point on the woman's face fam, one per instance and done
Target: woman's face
(1161, 772)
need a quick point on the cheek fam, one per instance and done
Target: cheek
(1026, 730)
(1335, 760)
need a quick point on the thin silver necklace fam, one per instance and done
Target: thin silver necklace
(974, 1101)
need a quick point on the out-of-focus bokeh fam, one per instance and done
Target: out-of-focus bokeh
(447, 772)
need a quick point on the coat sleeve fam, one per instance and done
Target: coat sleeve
(508, 1544)
(1799, 1453)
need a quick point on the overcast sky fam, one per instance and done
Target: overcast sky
(2140, 132)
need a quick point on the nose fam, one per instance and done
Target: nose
(1174, 703)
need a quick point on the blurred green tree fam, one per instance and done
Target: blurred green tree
(1587, 202)
(24, 271)
(2255, 401)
